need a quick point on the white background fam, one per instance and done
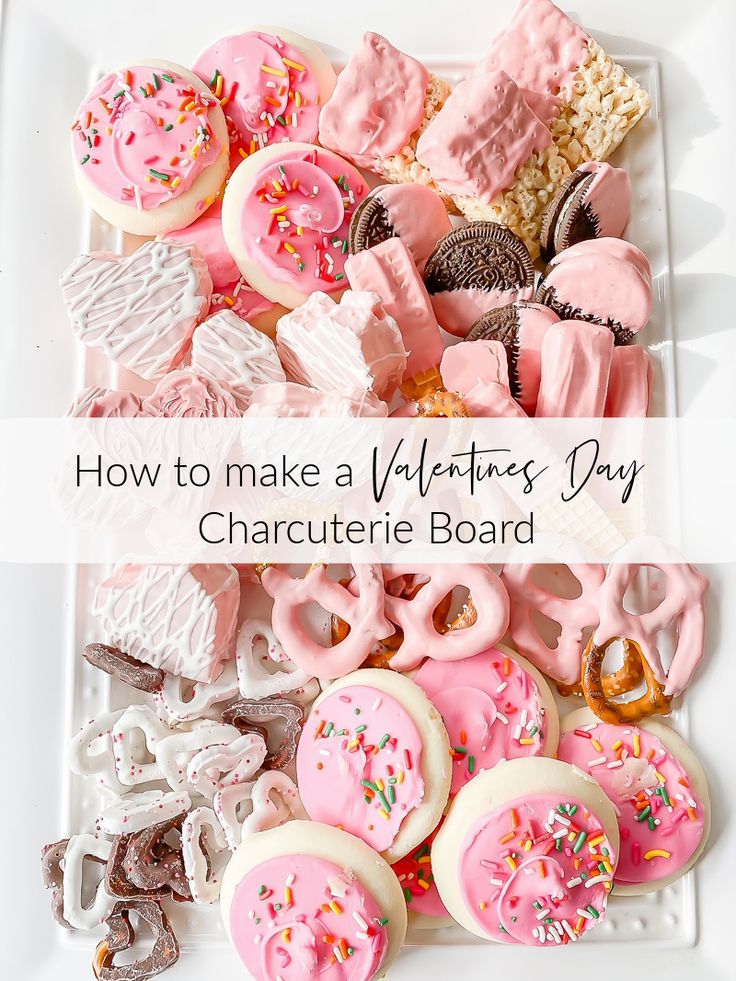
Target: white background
(60, 41)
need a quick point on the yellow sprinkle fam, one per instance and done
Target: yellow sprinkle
(336, 908)
(424, 860)
(273, 71)
(298, 100)
(277, 185)
(243, 154)
(288, 895)
(293, 64)
(218, 87)
(527, 845)
(176, 182)
(424, 885)
(182, 117)
(596, 841)
(189, 106)
(617, 745)
(526, 742)
(482, 905)
(384, 814)
(597, 745)
(511, 863)
(656, 853)
(230, 301)
(286, 935)
(637, 745)
(279, 210)
(400, 776)
(290, 248)
(660, 777)
(379, 782)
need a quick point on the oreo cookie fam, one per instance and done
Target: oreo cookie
(520, 327)
(410, 212)
(476, 268)
(594, 202)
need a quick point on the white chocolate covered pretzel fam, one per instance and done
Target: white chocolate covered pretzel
(275, 801)
(90, 753)
(138, 728)
(76, 914)
(220, 766)
(255, 680)
(139, 811)
(204, 849)
(175, 753)
(174, 707)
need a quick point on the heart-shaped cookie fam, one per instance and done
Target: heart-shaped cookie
(140, 310)
(178, 618)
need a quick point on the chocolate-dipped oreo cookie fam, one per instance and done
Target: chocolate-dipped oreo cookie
(605, 281)
(594, 202)
(410, 212)
(520, 327)
(474, 269)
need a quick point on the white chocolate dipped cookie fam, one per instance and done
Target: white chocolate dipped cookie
(307, 882)
(271, 84)
(150, 147)
(374, 759)
(286, 217)
(527, 853)
(658, 787)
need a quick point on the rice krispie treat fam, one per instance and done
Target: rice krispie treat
(383, 101)
(588, 101)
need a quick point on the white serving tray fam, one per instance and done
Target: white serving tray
(67, 41)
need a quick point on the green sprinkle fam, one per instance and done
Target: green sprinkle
(644, 814)
(300, 267)
(385, 738)
(392, 780)
(356, 711)
(579, 842)
(167, 78)
(407, 895)
(360, 728)
(158, 174)
(257, 920)
(471, 764)
(382, 797)
(662, 791)
(652, 824)
(213, 80)
(344, 247)
(340, 276)
(89, 142)
(118, 95)
(85, 158)
(367, 783)
(558, 844)
(277, 906)
(391, 794)
(383, 921)
(156, 81)
(536, 904)
(367, 800)
(168, 127)
(350, 951)
(143, 91)
(593, 912)
(533, 731)
(261, 890)
(328, 729)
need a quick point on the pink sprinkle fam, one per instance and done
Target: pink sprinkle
(636, 853)
(129, 138)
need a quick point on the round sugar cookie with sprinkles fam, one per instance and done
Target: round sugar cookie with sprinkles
(658, 787)
(527, 853)
(307, 900)
(496, 706)
(271, 84)
(286, 218)
(150, 147)
(374, 759)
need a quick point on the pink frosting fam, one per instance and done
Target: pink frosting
(136, 148)
(542, 50)
(466, 364)
(289, 400)
(576, 362)
(457, 310)
(660, 817)
(187, 395)
(318, 193)
(417, 215)
(606, 280)
(629, 383)
(608, 196)
(540, 853)
(283, 909)
(266, 88)
(359, 764)
(492, 709)
(534, 320)
(103, 403)
(492, 400)
(229, 289)
(389, 270)
(484, 134)
(341, 346)
(414, 872)
(377, 104)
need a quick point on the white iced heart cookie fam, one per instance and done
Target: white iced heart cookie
(205, 854)
(353, 345)
(182, 701)
(275, 800)
(76, 914)
(90, 753)
(139, 811)
(263, 668)
(230, 350)
(178, 618)
(221, 766)
(175, 753)
(137, 728)
(139, 310)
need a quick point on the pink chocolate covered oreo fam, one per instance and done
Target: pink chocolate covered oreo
(605, 281)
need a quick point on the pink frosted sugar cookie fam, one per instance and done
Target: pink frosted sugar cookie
(139, 310)
(350, 345)
(374, 759)
(659, 790)
(230, 350)
(178, 618)
(286, 215)
(527, 853)
(288, 400)
(150, 147)
(305, 900)
(495, 707)
(103, 403)
(520, 327)
(603, 280)
(411, 212)
(229, 290)
(575, 363)
(186, 395)
(271, 84)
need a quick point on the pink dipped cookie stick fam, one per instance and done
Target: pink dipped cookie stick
(629, 384)
(576, 363)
